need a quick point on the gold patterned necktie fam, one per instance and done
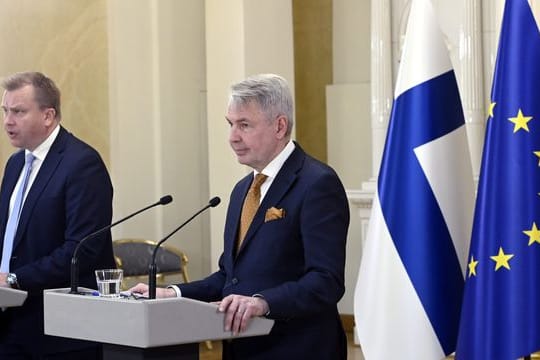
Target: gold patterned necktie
(251, 204)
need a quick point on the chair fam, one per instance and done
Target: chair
(134, 256)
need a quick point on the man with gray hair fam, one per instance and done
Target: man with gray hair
(284, 239)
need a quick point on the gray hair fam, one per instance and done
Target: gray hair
(46, 93)
(271, 92)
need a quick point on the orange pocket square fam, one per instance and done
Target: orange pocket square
(274, 214)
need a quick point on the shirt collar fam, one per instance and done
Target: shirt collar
(271, 170)
(43, 149)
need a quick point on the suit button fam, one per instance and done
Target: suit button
(234, 281)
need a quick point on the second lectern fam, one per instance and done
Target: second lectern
(11, 297)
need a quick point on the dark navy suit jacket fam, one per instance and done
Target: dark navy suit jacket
(70, 198)
(295, 262)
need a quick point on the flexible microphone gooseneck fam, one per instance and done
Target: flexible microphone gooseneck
(75, 259)
(152, 271)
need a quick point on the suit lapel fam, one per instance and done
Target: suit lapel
(46, 171)
(284, 180)
(11, 176)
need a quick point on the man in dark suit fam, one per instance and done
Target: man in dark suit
(67, 195)
(288, 263)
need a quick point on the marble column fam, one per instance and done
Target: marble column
(472, 80)
(381, 82)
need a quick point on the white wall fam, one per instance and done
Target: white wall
(349, 121)
(157, 83)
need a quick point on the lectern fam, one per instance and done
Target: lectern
(138, 329)
(11, 297)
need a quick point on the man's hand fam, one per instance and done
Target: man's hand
(240, 309)
(3, 280)
(142, 289)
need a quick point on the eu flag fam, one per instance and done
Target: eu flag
(500, 316)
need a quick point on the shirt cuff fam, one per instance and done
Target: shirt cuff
(262, 297)
(176, 290)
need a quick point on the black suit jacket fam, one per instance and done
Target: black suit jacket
(70, 198)
(296, 262)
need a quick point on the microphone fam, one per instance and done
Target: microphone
(167, 199)
(152, 267)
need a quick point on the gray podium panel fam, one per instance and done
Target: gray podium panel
(138, 323)
(11, 297)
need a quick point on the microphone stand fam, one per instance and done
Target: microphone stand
(75, 258)
(152, 268)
